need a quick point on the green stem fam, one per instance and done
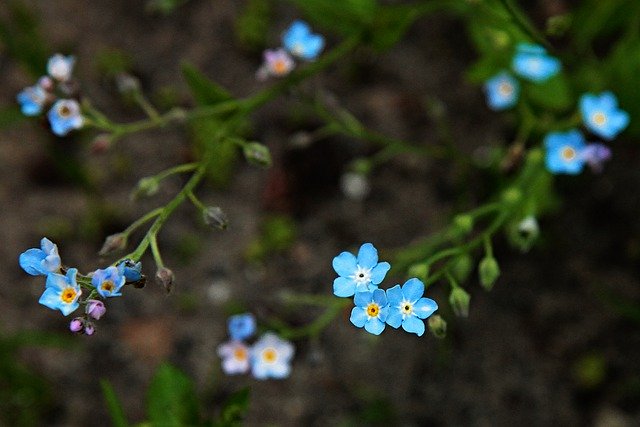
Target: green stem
(142, 220)
(524, 24)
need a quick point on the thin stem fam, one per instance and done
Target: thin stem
(142, 220)
(187, 167)
(153, 242)
(523, 22)
(146, 106)
(197, 203)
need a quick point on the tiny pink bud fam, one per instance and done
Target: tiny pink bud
(89, 329)
(96, 308)
(46, 83)
(165, 277)
(76, 324)
(101, 143)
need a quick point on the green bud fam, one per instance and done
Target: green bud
(462, 267)
(459, 300)
(463, 224)
(361, 166)
(420, 271)
(257, 154)
(215, 217)
(489, 271)
(437, 326)
(512, 195)
(146, 187)
(558, 25)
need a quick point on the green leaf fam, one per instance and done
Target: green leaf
(234, 409)
(553, 94)
(204, 90)
(113, 404)
(253, 24)
(206, 132)
(171, 399)
(597, 18)
(390, 23)
(21, 37)
(344, 17)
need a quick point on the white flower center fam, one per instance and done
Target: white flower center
(406, 308)
(362, 276)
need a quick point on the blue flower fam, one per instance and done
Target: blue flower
(241, 326)
(41, 261)
(132, 271)
(271, 357)
(65, 116)
(407, 306)
(602, 116)
(533, 63)
(359, 274)
(301, 42)
(31, 100)
(62, 292)
(371, 311)
(108, 282)
(60, 67)
(595, 155)
(502, 91)
(564, 152)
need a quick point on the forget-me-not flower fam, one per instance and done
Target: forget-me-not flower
(60, 67)
(241, 326)
(271, 357)
(108, 282)
(602, 116)
(502, 91)
(533, 63)
(62, 292)
(371, 311)
(132, 271)
(277, 63)
(31, 100)
(235, 357)
(407, 306)
(301, 42)
(564, 152)
(41, 261)
(359, 274)
(65, 116)
(595, 155)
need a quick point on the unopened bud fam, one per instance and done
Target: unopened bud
(101, 143)
(437, 326)
(165, 278)
(462, 267)
(463, 224)
(257, 154)
(459, 300)
(355, 186)
(489, 271)
(113, 243)
(46, 83)
(76, 324)
(215, 217)
(528, 228)
(419, 271)
(146, 187)
(89, 329)
(95, 308)
(126, 83)
(361, 166)
(512, 195)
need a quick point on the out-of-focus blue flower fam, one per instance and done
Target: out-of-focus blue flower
(241, 326)
(41, 261)
(271, 357)
(277, 63)
(564, 152)
(31, 100)
(533, 63)
(602, 116)
(65, 116)
(371, 311)
(359, 274)
(60, 67)
(407, 306)
(62, 292)
(108, 282)
(595, 155)
(502, 91)
(301, 42)
(132, 271)
(235, 357)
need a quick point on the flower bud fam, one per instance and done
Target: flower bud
(257, 154)
(462, 267)
(89, 329)
(101, 143)
(113, 243)
(355, 186)
(95, 308)
(126, 83)
(437, 326)
(215, 217)
(463, 224)
(488, 270)
(459, 300)
(165, 278)
(512, 196)
(419, 271)
(76, 324)
(146, 187)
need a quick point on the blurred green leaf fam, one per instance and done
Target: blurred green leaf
(621, 71)
(204, 90)
(253, 24)
(10, 116)
(390, 23)
(598, 19)
(234, 409)
(344, 17)
(113, 404)
(553, 94)
(166, 7)
(171, 399)
(19, 33)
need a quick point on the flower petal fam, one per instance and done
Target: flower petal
(343, 287)
(362, 299)
(31, 262)
(395, 296)
(413, 325)
(358, 317)
(367, 256)
(413, 289)
(280, 370)
(380, 297)
(345, 264)
(56, 282)
(374, 326)
(425, 307)
(379, 271)
(50, 298)
(394, 318)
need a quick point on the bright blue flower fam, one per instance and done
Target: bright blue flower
(241, 326)
(301, 42)
(533, 63)
(271, 357)
(132, 271)
(564, 152)
(31, 100)
(407, 306)
(359, 274)
(371, 311)
(65, 116)
(108, 282)
(62, 292)
(41, 261)
(502, 91)
(602, 116)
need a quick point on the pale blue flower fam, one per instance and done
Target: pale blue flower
(132, 271)
(502, 91)
(41, 261)
(62, 292)
(235, 357)
(359, 274)
(241, 326)
(271, 357)
(564, 152)
(602, 116)
(65, 116)
(407, 306)
(533, 63)
(301, 42)
(31, 100)
(371, 311)
(60, 67)
(108, 282)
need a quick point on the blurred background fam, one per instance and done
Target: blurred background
(556, 342)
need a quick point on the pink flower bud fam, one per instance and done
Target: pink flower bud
(89, 329)
(96, 308)
(76, 324)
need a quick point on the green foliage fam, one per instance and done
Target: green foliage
(20, 35)
(253, 24)
(597, 19)
(204, 90)
(112, 61)
(114, 406)
(344, 17)
(551, 95)
(171, 399)
(234, 409)
(277, 234)
(165, 7)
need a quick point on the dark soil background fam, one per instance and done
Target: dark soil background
(555, 343)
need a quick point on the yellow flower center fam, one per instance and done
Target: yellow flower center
(505, 89)
(280, 67)
(269, 355)
(406, 308)
(64, 111)
(68, 295)
(373, 309)
(599, 118)
(568, 154)
(108, 286)
(240, 353)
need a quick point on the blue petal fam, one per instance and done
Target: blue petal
(425, 307)
(362, 299)
(367, 256)
(31, 262)
(395, 296)
(313, 46)
(394, 318)
(380, 297)
(50, 298)
(280, 370)
(379, 272)
(383, 313)
(358, 317)
(343, 287)
(259, 370)
(56, 282)
(67, 309)
(374, 326)
(413, 325)
(608, 101)
(345, 264)
(413, 289)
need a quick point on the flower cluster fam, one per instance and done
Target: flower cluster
(359, 276)
(269, 357)
(55, 92)
(64, 286)
(298, 42)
